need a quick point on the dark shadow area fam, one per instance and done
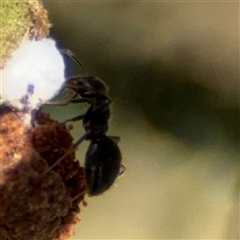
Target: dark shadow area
(174, 102)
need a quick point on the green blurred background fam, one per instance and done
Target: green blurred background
(173, 72)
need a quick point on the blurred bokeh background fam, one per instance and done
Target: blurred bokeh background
(173, 72)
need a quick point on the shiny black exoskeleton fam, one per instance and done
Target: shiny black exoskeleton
(102, 164)
(103, 157)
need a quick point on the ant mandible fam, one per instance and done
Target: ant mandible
(103, 157)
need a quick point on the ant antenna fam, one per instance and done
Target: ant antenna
(72, 56)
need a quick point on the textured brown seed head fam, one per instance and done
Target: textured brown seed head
(35, 205)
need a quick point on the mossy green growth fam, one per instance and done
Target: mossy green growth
(15, 21)
(19, 20)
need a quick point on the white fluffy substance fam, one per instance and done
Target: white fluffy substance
(33, 75)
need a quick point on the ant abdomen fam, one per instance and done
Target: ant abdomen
(102, 164)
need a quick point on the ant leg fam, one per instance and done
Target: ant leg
(73, 148)
(79, 195)
(57, 103)
(66, 102)
(122, 170)
(80, 117)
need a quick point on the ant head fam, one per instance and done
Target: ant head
(88, 87)
(102, 164)
(88, 82)
(98, 85)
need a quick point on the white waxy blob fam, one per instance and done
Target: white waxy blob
(35, 73)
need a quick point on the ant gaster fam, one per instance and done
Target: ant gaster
(103, 157)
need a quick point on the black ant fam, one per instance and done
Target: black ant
(103, 157)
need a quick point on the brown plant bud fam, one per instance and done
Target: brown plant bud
(35, 203)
